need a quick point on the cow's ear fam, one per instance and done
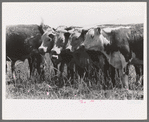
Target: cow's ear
(67, 34)
(54, 29)
(68, 28)
(84, 32)
(99, 29)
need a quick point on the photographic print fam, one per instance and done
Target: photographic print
(72, 56)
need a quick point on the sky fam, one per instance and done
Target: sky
(73, 14)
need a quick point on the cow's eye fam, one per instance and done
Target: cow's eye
(51, 36)
(75, 38)
(92, 36)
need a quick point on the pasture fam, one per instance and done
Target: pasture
(27, 87)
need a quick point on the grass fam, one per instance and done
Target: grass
(33, 88)
(44, 91)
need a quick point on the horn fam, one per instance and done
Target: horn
(42, 24)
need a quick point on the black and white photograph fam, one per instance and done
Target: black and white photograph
(68, 60)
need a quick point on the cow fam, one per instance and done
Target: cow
(130, 43)
(116, 45)
(75, 40)
(87, 63)
(57, 54)
(61, 55)
(27, 42)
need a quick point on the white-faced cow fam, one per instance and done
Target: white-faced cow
(87, 61)
(117, 46)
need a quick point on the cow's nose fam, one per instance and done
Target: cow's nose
(41, 51)
(82, 46)
(53, 52)
(69, 48)
(66, 51)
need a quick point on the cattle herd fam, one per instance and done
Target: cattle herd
(85, 51)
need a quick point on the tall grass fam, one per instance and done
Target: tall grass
(32, 87)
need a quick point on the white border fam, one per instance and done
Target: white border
(74, 109)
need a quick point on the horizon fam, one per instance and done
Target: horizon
(69, 14)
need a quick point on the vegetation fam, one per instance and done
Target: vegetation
(34, 87)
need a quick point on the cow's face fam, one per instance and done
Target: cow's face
(60, 42)
(75, 40)
(95, 40)
(48, 39)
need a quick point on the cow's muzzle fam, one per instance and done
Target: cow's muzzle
(41, 51)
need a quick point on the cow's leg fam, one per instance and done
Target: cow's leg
(80, 71)
(123, 78)
(112, 72)
(71, 68)
(61, 74)
(61, 68)
(139, 72)
(40, 66)
(55, 66)
(30, 65)
(12, 71)
(70, 74)
(105, 71)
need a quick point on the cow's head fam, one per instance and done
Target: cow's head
(76, 39)
(95, 40)
(47, 39)
(60, 42)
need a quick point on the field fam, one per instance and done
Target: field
(27, 87)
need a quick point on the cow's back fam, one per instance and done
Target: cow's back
(22, 39)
